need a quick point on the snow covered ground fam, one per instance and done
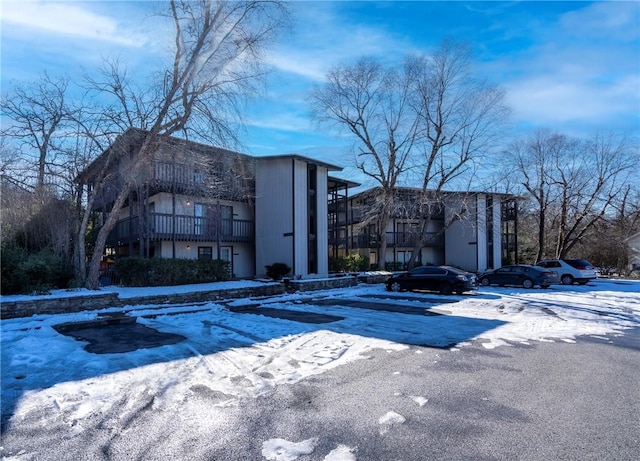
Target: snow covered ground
(231, 353)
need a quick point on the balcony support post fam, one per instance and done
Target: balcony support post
(218, 222)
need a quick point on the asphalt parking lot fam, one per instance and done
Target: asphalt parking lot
(546, 401)
(522, 401)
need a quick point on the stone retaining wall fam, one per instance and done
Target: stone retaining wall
(27, 308)
(58, 305)
(321, 284)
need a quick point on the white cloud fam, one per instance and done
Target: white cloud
(282, 121)
(66, 19)
(293, 63)
(583, 69)
(608, 20)
(329, 38)
(547, 99)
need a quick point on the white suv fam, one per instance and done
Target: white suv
(571, 270)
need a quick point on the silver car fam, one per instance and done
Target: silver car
(571, 270)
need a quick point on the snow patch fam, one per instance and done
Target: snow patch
(283, 450)
(421, 401)
(388, 420)
(342, 453)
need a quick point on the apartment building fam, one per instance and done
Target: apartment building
(471, 230)
(197, 201)
(192, 200)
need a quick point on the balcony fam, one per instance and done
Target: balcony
(175, 177)
(394, 240)
(181, 228)
(408, 239)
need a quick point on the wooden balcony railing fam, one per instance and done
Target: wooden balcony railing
(394, 240)
(161, 226)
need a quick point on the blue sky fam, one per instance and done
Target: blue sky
(572, 66)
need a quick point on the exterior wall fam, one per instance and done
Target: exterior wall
(433, 256)
(473, 243)
(486, 216)
(430, 255)
(461, 240)
(634, 252)
(279, 220)
(322, 234)
(435, 225)
(243, 263)
(497, 234)
(185, 205)
(274, 216)
(466, 241)
(300, 219)
(282, 216)
(481, 231)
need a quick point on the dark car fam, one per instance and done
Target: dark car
(520, 275)
(443, 279)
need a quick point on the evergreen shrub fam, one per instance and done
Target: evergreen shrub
(353, 262)
(166, 272)
(277, 270)
(25, 272)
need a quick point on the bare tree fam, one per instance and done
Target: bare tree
(534, 160)
(215, 63)
(461, 118)
(39, 118)
(589, 184)
(573, 183)
(613, 253)
(37, 112)
(92, 131)
(372, 103)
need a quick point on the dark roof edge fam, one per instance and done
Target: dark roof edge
(302, 158)
(346, 182)
(445, 192)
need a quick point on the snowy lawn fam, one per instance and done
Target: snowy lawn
(232, 353)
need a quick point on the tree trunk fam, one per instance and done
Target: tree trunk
(93, 278)
(144, 155)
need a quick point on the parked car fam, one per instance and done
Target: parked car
(520, 274)
(443, 279)
(571, 270)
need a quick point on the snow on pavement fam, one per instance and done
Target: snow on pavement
(231, 356)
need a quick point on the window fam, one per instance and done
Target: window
(226, 254)
(226, 215)
(205, 252)
(403, 257)
(198, 212)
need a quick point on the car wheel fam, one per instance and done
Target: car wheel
(395, 286)
(567, 279)
(527, 283)
(485, 281)
(446, 289)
